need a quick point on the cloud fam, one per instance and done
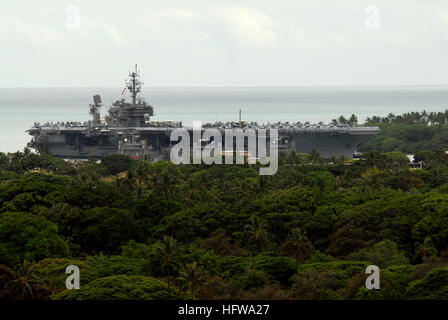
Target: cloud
(442, 17)
(250, 26)
(178, 15)
(296, 35)
(36, 32)
(39, 33)
(88, 25)
(231, 26)
(225, 42)
(338, 38)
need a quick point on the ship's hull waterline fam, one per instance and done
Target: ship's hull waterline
(155, 142)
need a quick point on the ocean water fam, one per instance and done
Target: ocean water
(21, 107)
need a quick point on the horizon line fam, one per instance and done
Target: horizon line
(240, 86)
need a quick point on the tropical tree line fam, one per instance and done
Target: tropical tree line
(139, 230)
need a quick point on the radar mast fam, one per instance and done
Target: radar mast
(134, 84)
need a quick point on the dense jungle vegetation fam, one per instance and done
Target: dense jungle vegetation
(139, 230)
(409, 133)
(159, 231)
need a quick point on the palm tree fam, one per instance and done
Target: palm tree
(441, 158)
(24, 279)
(297, 245)
(342, 120)
(141, 177)
(425, 117)
(375, 158)
(315, 157)
(353, 120)
(391, 117)
(426, 250)
(432, 118)
(191, 274)
(167, 252)
(165, 179)
(127, 183)
(257, 231)
(371, 176)
(243, 190)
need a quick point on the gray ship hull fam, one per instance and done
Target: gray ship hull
(328, 145)
(155, 142)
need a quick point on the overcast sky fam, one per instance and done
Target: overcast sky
(224, 43)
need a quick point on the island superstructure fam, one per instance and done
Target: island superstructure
(128, 129)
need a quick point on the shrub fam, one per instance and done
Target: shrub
(383, 254)
(314, 285)
(52, 271)
(342, 270)
(26, 237)
(393, 283)
(103, 266)
(121, 287)
(116, 163)
(280, 269)
(433, 286)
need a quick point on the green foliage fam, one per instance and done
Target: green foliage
(31, 191)
(221, 244)
(26, 237)
(99, 229)
(424, 155)
(254, 279)
(279, 268)
(224, 231)
(318, 257)
(121, 287)
(103, 266)
(136, 250)
(433, 286)
(205, 258)
(397, 158)
(314, 285)
(191, 275)
(99, 195)
(391, 143)
(383, 254)
(389, 218)
(345, 240)
(294, 199)
(257, 232)
(116, 163)
(341, 271)
(435, 223)
(52, 271)
(105, 229)
(22, 283)
(21, 162)
(3, 160)
(322, 179)
(393, 284)
(406, 137)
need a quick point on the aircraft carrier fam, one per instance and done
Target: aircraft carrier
(128, 129)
